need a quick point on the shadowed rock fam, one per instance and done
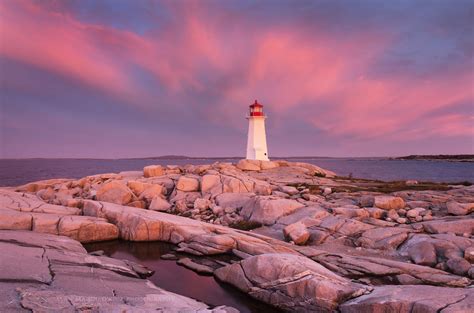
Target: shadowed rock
(407, 299)
(290, 282)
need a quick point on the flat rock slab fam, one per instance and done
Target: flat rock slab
(457, 225)
(30, 203)
(23, 264)
(44, 241)
(388, 270)
(407, 299)
(55, 274)
(290, 282)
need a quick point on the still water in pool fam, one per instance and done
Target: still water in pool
(172, 277)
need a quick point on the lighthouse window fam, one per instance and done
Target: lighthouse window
(265, 153)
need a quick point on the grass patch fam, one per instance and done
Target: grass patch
(349, 184)
(360, 184)
(245, 225)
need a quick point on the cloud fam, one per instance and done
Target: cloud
(351, 73)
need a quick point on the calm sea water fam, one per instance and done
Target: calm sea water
(17, 172)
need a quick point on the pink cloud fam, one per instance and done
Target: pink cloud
(57, 43)
(322, 80)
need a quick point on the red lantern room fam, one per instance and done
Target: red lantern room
(256, 109)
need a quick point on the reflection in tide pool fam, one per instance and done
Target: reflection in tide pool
(172, 277)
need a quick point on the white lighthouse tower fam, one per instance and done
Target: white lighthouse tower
(257, 139)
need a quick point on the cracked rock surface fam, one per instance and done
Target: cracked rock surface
(48, 273)
(307, 240)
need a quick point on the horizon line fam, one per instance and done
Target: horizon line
(177, 157)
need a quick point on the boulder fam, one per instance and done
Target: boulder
(469, 254)
(42, 184)
(312, 169)
(46, 194)
(351, 211)
(164, 181)
(212, 184)
(384, 238)
(289, 190)
(233, 200)
(237, 184)
(14, 220)
(376, 212)
(262, 188)
(297, 232)
(153, 171)
(456, 208)
(131, 174)
(267, 209)
(392, 215)
(202, 204)
(310, 212)
(186, 183)
(290, 282)
(115, 192)
(46, 223)
(152, 191)
(137, 186)
(367, 201)
(413, 213)
(249, 165)
(266, 165)
(87, 229)
(423, 253)
(159, 204)
(458, 266)
(137, 204)
(389, 202)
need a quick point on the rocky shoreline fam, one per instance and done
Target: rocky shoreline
(303, 239)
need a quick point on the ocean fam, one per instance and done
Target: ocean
(14, 172)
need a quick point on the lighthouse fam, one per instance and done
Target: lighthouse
(256, 139)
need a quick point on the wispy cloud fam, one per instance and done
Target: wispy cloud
(350, 74)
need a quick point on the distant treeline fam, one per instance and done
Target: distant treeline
(438, 157)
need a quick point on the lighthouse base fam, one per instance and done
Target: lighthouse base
(257, 155)
(257, 141)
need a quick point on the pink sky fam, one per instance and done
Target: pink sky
(130, 79)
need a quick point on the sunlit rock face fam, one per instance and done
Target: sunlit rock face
(341, 241)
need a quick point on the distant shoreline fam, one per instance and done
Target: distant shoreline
(440, 157)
